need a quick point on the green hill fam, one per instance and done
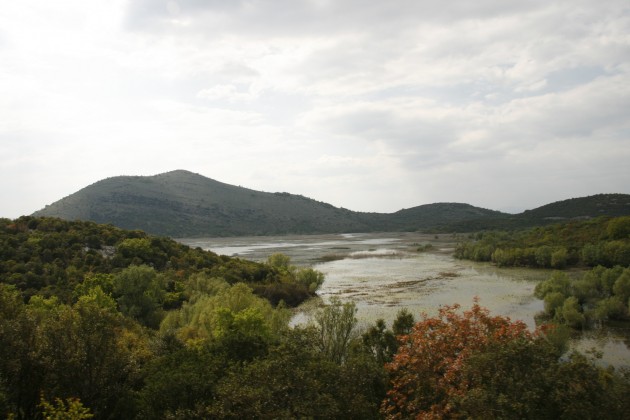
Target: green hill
(613, 205)
(582, 208)
(184, 204)
(181, 203)
(439, 216)
(52, 257)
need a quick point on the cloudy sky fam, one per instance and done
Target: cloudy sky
(367, 105)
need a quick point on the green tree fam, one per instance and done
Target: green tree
(70, 409)
(543, 256)
(553, 301)
(293, 381)
(234, 309)
(559, 258)
(380, 342)
(280, 261)
(309, 278)
(179, 380)
(608, 277)
(92, 352)
(335, 329)
(609, 308)
(104, 281)
(403, 323)
(621, 288)
(558, 282)
(619, 228)
(21, 371)
(140, 293)
(296, 380)
(139, 251)
(571, 313)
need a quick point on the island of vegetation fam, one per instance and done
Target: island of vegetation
(100, 322)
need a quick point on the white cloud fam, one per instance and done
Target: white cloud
(228, 93)
(368, 105)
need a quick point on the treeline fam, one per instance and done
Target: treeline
(602, 241)
(599, 295)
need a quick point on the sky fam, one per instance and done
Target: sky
(367, 105)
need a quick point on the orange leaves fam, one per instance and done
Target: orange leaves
(429, 369)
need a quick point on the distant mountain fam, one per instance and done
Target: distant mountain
(584, 208)
(439, 216)
(185, 204)
(611, 205)
(181, 204)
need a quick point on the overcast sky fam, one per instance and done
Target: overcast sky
(367, 105)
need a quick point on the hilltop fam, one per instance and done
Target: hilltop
(184, 204)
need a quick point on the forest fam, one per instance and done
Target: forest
(580, 300)
(100, 322)
(601, 241)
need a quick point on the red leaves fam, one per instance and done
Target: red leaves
(428, 370)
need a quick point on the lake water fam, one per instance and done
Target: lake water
(382, 273)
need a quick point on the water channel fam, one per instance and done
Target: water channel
(382, 273)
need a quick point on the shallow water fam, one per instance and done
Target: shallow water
(383, 273)
(380, 287)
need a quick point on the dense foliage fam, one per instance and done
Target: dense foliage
(97, 322)
(597, 296)
(602, 241)
(226, 354)
(474, 365)
(52, 257)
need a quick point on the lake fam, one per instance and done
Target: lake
(382, 273)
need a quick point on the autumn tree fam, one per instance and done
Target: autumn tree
(474, 365)
(428, 370)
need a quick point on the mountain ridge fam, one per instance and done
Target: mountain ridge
(181, 203)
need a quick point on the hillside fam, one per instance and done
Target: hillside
(184, 204)
(582, 208)
(181, 203)
(439, 216)
(613, 205)
(52, 257)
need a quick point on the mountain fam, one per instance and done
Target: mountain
(439, 216)
(182, 203)
(582, 208)
(611, 205)
(185, 204)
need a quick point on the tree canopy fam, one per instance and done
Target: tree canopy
(602, 241)
(97, 322)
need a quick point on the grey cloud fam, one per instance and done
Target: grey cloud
(238, 70)
(295, 17)
(399, 128)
